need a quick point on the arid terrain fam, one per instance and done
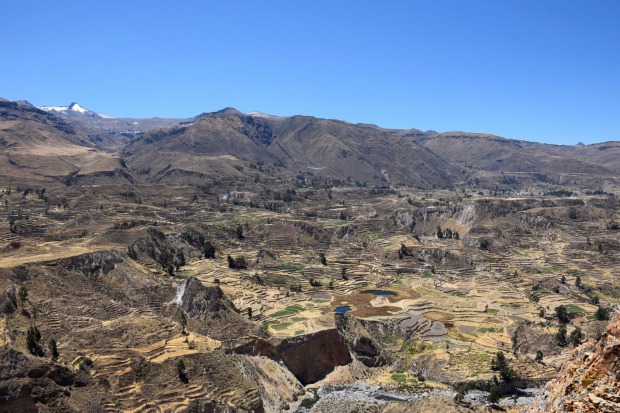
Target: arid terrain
(245, 263)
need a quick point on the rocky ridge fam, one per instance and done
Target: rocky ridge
(589, 380)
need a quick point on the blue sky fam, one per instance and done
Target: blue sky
(536, 70)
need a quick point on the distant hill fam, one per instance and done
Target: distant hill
(60, 143)
(106, 132)
(216, 142)
(37, 147)
(496, 157)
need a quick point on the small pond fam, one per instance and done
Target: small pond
(378, 292)
(342, 309)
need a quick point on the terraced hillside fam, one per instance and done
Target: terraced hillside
(361, 285)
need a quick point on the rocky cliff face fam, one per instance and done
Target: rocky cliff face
(361, 342)
(309, 357)
(589, 380)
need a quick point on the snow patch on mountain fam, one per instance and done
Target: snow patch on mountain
(264, 115)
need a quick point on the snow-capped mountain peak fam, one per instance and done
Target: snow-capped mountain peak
(73, 110)
(77, 108)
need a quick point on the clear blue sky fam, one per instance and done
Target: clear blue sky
(535, 70)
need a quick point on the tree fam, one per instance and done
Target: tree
(515, 342)
(575, 337)
(562, 314)
(602, 314)
(183, 322)
(499, 363)
(572, 213)
(131, 253)
(485, 244)
(250, 313)
(541, 312)
(323, 258)
(563, 279)
(240, 262)
(180, 258)
(578, 281)
(181, 370)
(560, 336)
(236, 263)
(239, 232)
(461, 390)
(53, 349)
(439, 232)
(539, 356)
(209, 250)
(32, 340)
(494, 394)
(314, 282)
(23, 295)
(456, 235)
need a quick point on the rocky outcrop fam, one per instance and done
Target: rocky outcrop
(8, 300)
(361, 343)
(27, 385)
(200, 301)
(277, 386)
(93, 263)
(156, 245)
(210, 312)
(590, 380)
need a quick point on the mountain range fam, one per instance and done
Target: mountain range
(64, 144)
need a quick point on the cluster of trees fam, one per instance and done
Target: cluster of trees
(171, 260)
(485, 244)
(500, 364)
(132, 224)
(274, 206)
(237, 263)
(131, 195)
(315, 283)
(41, 193)
(563, 339)
(285, 197)
(506, 375)
(447, 233)
(575, 338)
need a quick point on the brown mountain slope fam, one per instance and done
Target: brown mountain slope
(496, 154)
(37, 147)
(605, 154)
(214, 142)
(105, 132)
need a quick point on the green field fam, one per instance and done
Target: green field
(288, 311)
